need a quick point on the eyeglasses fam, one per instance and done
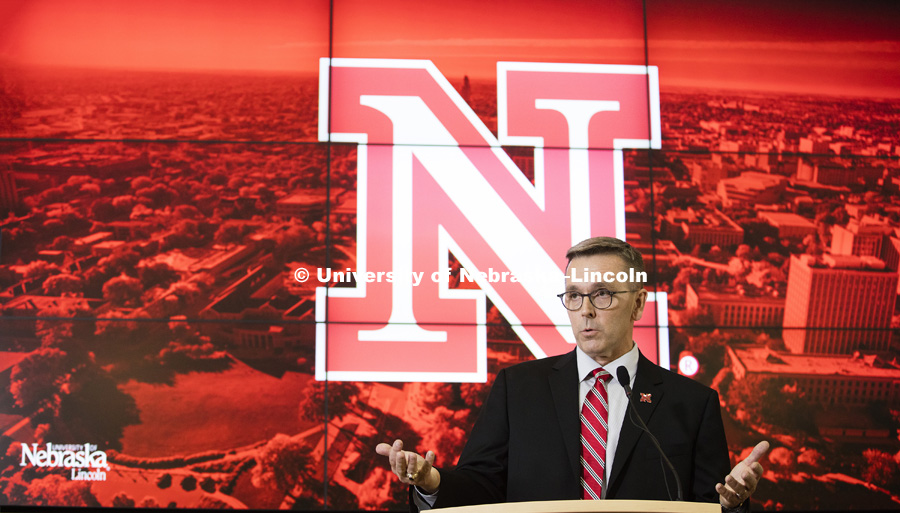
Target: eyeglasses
(600, 298)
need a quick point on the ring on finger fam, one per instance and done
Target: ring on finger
(412, 475)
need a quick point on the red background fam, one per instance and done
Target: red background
(161, 176)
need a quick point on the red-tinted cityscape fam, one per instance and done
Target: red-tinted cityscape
(150, 320)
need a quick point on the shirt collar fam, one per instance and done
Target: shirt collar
(629, 360)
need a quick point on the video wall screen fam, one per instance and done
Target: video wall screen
(242, 244)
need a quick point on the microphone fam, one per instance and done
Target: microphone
(625, 380)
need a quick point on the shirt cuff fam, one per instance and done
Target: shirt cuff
(743, 507)
(424, 500)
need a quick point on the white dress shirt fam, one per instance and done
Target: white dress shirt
(618, 403)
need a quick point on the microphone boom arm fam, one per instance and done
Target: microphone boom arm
(625, 380)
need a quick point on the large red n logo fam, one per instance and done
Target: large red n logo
(433, 180)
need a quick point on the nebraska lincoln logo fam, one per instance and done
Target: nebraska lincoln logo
(432, 180)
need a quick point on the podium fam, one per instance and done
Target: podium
(604, 506)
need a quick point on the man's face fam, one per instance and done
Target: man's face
(604, 334)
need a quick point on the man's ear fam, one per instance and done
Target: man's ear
(637, 308)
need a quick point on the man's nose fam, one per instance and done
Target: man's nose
(587, 308)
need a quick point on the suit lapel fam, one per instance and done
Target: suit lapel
(648, 380)
(564, 384)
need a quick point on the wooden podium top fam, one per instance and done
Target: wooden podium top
(604, 506)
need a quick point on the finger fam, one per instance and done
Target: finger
(757, 470)
(395, 468)
(738, 486)
(383, 449)
(751, 479)
(396, 450)
(746, 476)
(735, 491)
(750, 487)
(401, 464)
(726, 490)
(757, 452)
(728, 495)
(429, 462)
(412, 463)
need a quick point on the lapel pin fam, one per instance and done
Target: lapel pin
(646, 398)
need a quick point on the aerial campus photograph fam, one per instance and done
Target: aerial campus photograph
(157, 350)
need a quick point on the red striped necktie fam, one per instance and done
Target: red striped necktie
(594, 429)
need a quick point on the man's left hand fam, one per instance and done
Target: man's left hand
(741, 482)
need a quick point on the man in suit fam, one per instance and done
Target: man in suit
(529, 441)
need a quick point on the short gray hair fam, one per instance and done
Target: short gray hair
(607, 246)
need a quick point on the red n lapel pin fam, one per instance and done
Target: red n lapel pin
(646, 398)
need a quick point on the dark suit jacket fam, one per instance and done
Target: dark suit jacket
(526, 445)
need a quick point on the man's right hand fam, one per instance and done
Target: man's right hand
(411, 468)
